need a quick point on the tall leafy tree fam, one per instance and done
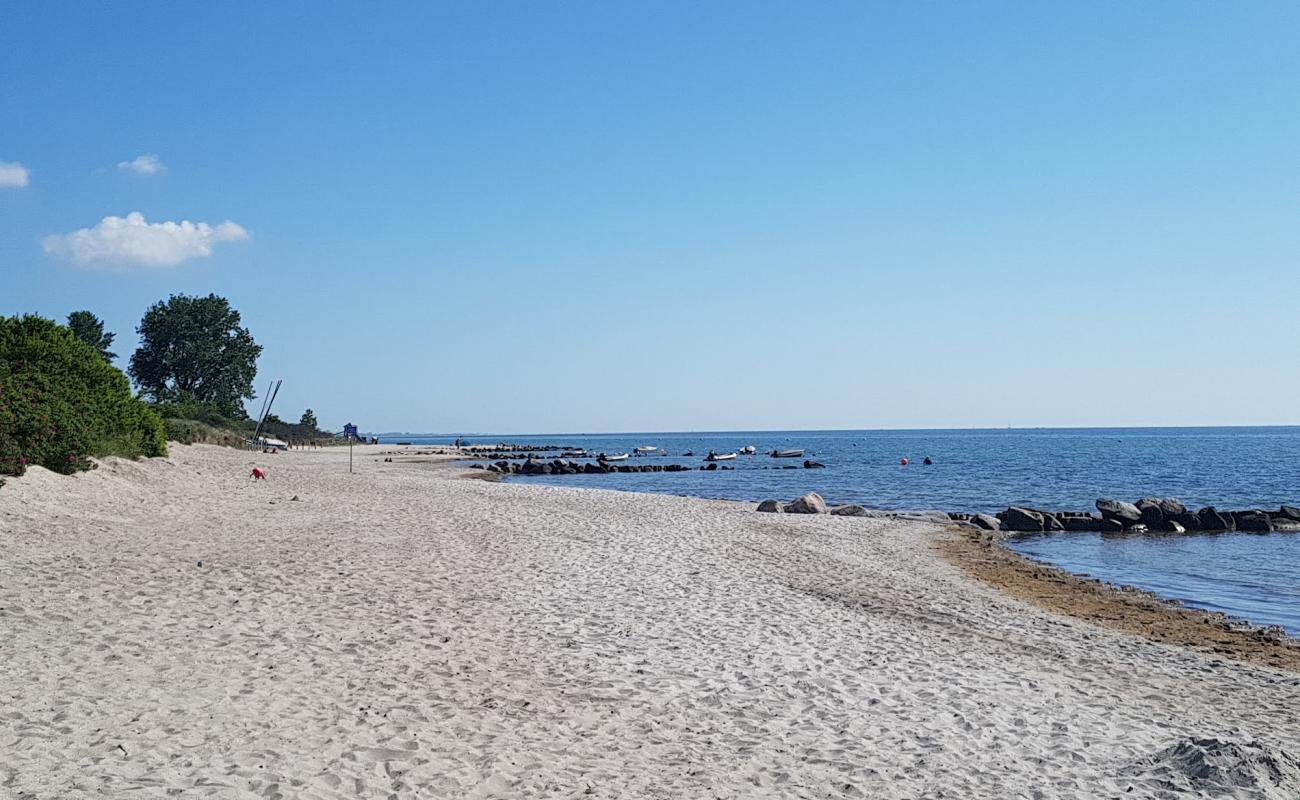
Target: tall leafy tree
(308, 419)
(90, 329)
(192, 349)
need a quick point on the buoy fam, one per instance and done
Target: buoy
(903, 461)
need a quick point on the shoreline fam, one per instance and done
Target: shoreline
(171, 626)
(984, 555)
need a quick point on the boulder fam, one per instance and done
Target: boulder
(811, 503)
(1169, 506)
(1050, 522)
(987, 521)
(1111, 525)
(1080, 522)
(1253, 521)
(1290, 512)
(1286, 525)
(850, 511)
(813, 465)
(1126, 513)
(1153, 516)
(770, 507)
(1213, 520)
(1173, 527)
(1189, 520)
(1023, 520)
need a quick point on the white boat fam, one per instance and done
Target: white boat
(720, 457)
(619, 457)
(787, 454)
(748, 450)
(649, 448)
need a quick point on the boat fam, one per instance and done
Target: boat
(720, 457)
(748, 450)
(787, 454)
(574, 454)
(619, 457)
(649, 448)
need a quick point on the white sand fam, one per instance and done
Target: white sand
(402, 633)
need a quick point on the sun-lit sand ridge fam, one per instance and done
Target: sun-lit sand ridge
(171, 625)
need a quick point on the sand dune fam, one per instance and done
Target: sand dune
(170, 628)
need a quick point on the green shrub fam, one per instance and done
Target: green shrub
(61, 403)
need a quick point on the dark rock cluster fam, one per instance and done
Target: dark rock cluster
(1161, 514)
(561, 467)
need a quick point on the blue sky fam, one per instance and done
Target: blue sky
(533, 217)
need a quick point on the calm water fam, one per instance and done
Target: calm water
(1251, 576)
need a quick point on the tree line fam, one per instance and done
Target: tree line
(62, 401)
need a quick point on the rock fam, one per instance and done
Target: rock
(1169, 506)
(1286, 525)
(1152, 515)
(1290, 512)
(811, 503)
(1080, 522)
(1023, 520)
(813, 465)
(1189, 520)
(1126, 513)
(293, 499)
(1050, 522)
(1212, 520)
(1253, 521)
(849, 511)
(711, 466)
(1111, 525)
(987, 521)
(770, 507)
(1174, 527)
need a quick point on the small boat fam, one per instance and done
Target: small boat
(649, 448)
(720, 457)
(787, 454)
(619, 457)
(688, 453)
(748, 450)
(574, 454)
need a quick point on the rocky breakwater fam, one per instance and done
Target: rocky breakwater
(1149, 514)
(561, 467)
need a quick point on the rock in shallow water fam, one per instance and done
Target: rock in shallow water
(1126, 513)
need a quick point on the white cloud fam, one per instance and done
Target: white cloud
(146, 164)
(13, 175)
(130, 241)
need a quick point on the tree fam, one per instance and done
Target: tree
(192, 349)
(308, 419)
(61, 403)
(90, 329)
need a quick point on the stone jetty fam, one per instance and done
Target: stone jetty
(1149, 514)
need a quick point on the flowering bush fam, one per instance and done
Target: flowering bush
(61, 403)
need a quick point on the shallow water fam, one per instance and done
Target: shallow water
(1249, 575)
(974, 470)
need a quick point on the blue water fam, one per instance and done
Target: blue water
(1256, 577)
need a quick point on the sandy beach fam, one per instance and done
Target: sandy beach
(170, 628)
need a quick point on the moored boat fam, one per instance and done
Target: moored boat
(649, 448)
(787, 454)
(720, 457)
(619, 457)
(748, 450)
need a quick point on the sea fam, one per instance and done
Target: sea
(1250, 576)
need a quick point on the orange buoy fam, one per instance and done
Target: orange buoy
(903, 461)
